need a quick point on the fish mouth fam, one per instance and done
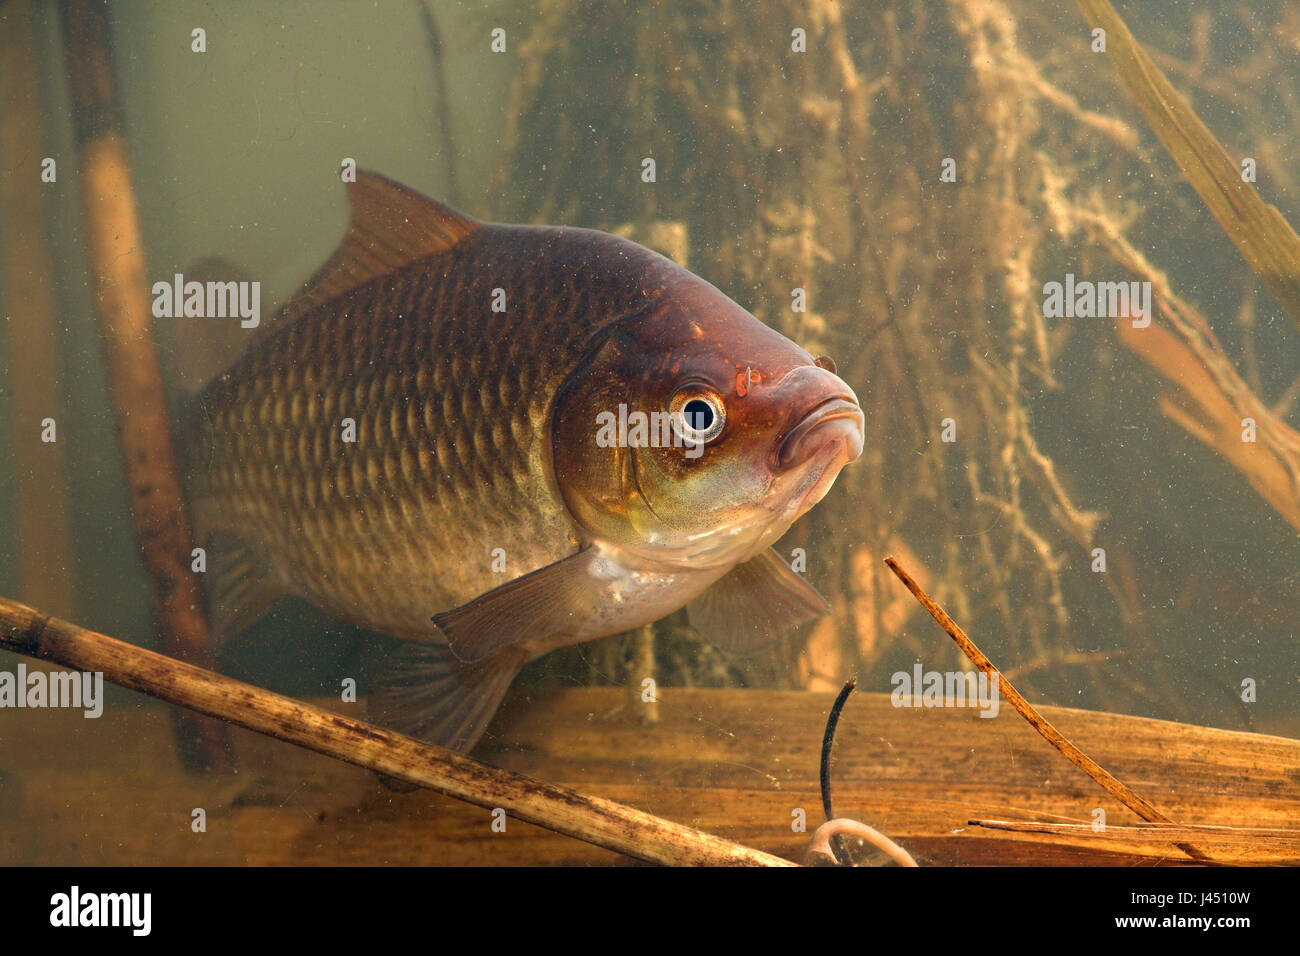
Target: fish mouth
(838, 421)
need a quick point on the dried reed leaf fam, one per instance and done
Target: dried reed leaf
(1258, 230)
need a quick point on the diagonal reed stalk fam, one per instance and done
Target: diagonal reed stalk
(1125, 795)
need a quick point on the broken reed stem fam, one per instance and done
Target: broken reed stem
(1262, 235)
(1270, 838)
(116, 249)
(643, 667)
(600, 822)
(443, 95)
(1114, 787)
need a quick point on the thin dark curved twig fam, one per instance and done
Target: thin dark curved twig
(828, 840)
(828, 741)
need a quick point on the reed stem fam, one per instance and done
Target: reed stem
(116, 248)
(591, 819)
(1125, 795)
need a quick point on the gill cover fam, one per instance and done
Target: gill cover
(599, 484)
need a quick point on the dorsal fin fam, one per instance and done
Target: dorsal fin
(390, 227)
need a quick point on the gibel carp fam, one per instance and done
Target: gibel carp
(448, 397)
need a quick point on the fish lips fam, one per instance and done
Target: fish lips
(836, 423)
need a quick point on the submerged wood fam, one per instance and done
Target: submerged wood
(732, 762)
(595, 820)
(116, 249)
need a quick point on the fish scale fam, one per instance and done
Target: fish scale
(431, 377)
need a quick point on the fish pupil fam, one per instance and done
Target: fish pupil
(699, 414)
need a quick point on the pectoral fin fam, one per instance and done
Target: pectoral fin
(754, 604)
(550, 601)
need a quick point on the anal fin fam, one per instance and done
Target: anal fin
(754, 603)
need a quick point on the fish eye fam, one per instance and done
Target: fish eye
(697, 413)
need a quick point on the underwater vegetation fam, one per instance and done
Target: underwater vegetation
(925, 182)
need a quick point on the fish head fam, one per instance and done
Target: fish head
(696, 435)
